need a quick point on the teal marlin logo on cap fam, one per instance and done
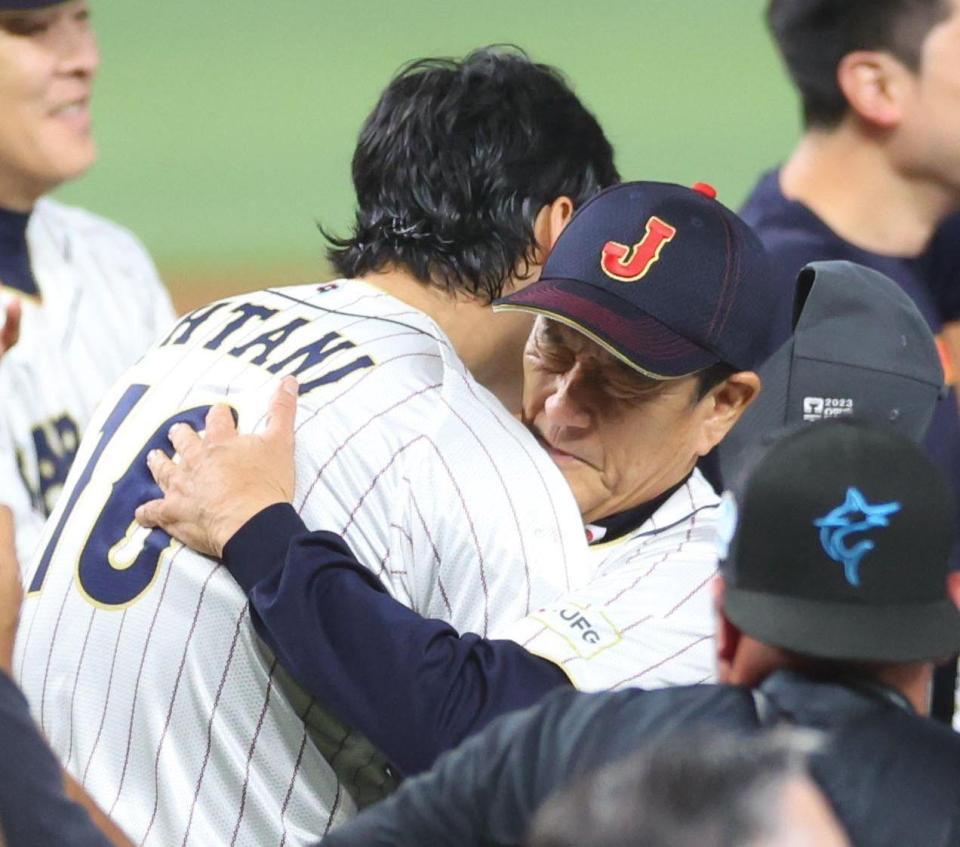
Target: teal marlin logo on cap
(854, 515)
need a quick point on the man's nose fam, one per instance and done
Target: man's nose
(563, 407)
(79, 53)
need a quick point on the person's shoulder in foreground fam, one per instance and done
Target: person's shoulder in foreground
(706, 789)
(34, 809)
(817, 615)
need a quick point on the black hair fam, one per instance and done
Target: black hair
(814, 35)
(456, 160)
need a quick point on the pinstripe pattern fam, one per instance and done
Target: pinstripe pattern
(135, 701)
(101, 304)
(194, 743)
(646, 617)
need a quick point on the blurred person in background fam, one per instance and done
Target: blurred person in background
(875, 177)
(697, 790)
(80, 292)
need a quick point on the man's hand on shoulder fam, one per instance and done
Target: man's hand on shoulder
(223, 478)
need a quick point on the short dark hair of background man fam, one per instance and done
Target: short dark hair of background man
(813, 36)
(704, 789)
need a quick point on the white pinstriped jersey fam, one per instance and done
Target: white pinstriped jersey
(138, 656)
(101, 305)
(645, 619)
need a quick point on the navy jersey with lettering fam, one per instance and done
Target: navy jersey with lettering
(138, 655)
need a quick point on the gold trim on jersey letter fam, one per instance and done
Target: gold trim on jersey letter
(124, 553)
(570, 322)
(116, 559)
(166, 554)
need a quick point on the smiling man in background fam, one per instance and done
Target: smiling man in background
(82, 291)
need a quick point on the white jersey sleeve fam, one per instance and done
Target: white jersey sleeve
(138, 656)
(482, 552)
(646, 617)
(101, 305)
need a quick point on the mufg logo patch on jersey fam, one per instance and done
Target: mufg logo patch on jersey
(630, 262)
(818, 408)
(588, 631)
(851, 518)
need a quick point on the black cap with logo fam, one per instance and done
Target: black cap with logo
(840, 551)
(664, 277)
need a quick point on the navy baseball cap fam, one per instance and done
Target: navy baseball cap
(860, 348)
(664, 277)
(838, 547)
(23, 5)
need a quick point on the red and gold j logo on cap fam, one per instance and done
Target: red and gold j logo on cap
(628, 263)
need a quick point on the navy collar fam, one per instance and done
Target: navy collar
(622, 523)
(801, 693)
(15, 269)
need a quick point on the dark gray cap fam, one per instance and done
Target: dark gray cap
(860, 348)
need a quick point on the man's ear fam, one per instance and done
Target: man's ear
(874, 84)
(953, 587)
(551, 221)
(722, 407)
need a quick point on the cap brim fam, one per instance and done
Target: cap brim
(26, 5)
(844, 631)
(634, 337)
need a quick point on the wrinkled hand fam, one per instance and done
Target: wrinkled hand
(11, 590)
(223, 479)
(10, 333)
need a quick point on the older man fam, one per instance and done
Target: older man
(652, 312)
(81, 290)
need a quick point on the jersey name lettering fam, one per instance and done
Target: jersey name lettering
(271, 347)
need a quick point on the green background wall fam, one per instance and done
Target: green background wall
(226, 128)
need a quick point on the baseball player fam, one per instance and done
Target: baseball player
(82, 292)
(138, 655)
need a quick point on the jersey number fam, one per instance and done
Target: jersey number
(119, 561)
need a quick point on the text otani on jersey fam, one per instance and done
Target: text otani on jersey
(278, 348)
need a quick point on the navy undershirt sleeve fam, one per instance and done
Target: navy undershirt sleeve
(414, 686)
(34, 810)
